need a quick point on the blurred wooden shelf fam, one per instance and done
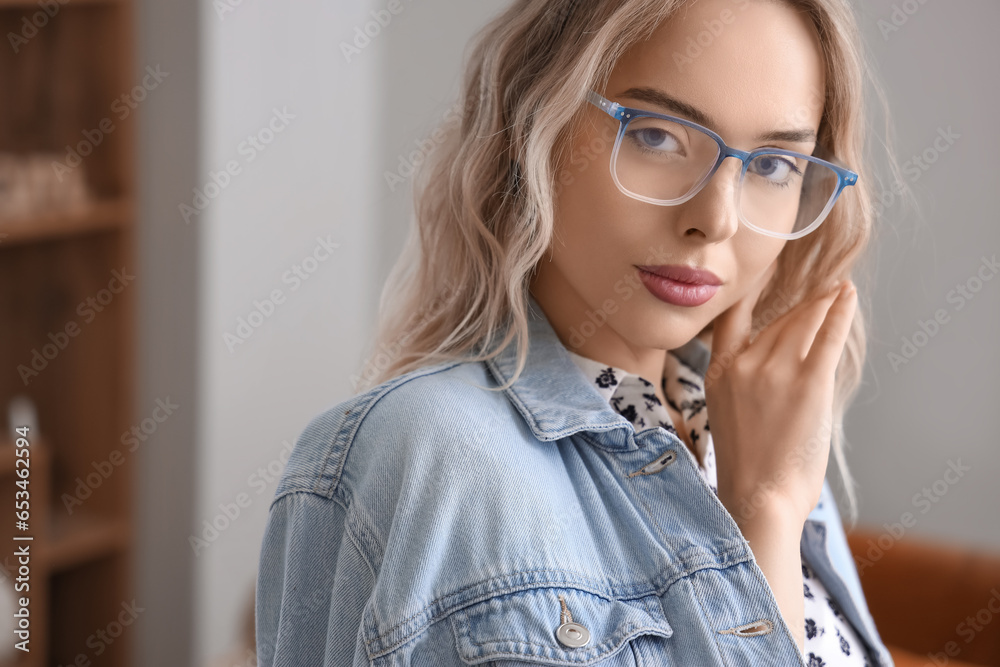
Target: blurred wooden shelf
(33, 4)
(99, 215)
(74, 58)
(79, 539)
(66, 540)
(8, 455)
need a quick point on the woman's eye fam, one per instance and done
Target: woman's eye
(774, 168)
(655, 138)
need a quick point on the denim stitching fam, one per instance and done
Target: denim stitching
(704, 611)
(356, 421)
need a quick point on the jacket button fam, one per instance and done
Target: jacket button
(573, 635)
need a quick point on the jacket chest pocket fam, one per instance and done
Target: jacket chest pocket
(559, 626)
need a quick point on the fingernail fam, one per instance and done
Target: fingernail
(847, 288)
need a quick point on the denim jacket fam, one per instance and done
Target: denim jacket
(431, 522)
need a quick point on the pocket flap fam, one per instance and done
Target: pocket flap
(524, 625)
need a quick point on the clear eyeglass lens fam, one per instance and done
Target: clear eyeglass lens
(665, 161)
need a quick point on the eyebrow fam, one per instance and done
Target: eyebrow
(661, 99)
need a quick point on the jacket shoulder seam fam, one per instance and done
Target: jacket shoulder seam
(327, 482)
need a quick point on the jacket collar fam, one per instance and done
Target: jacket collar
(554, 396)
(557, 400)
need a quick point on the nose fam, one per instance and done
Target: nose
(711, 214)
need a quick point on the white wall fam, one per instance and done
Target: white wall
(909, 422)
(314, 180)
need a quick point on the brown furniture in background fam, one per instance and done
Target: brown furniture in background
(933, 603)
(67, 218)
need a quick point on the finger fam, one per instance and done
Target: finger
(796, 336)
(731, 328)
(771, 338)
(828, 346)
(737, 321)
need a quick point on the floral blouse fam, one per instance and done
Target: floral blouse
(829, 637)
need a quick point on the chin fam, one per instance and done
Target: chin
(666, 330)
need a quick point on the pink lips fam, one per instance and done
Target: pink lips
(680, 285)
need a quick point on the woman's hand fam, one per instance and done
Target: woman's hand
(770, 403)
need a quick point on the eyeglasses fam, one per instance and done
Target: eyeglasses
(665, 160)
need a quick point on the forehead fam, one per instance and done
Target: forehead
(752, 67)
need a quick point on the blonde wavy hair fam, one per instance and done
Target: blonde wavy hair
(483, 198)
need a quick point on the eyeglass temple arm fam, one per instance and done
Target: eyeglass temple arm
(604, 104)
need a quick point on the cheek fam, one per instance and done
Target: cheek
(593, 245)
(584, 172)
(589, 209)
(581, 217)
(582, 193)
(754, 253)
(752, 260)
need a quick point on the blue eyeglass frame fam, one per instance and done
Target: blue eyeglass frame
(625, 115)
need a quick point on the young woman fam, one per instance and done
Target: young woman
(645, 217)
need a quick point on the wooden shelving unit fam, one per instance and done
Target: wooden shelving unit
(57, 273)
(106, 215)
